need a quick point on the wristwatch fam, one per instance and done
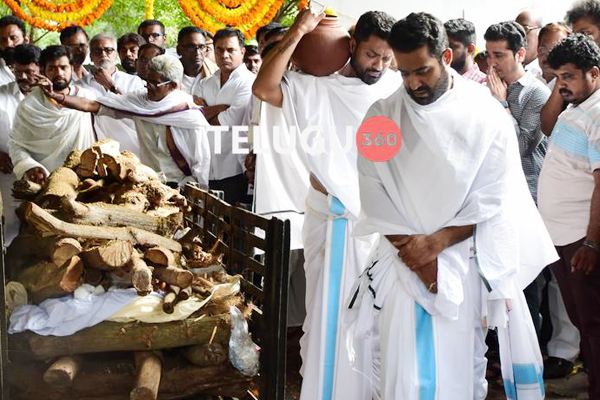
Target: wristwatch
(113, 89)
(504, 104)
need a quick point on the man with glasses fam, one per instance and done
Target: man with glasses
(191, 47)
(532, 24)
(12, 34)
(153, 31)
(75, 39)
(128, 47)
(26, 68)
(172, 134)
(106, 78)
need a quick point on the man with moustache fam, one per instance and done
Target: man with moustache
(569, 192)
(12, 34)
(225, 97)
(418, 310)
(75, 39)
(335, 105)
(191, 47)
(462, 38)
(128, 47)
(44, 132)
(252, 59)
(172, 134)
(26, 68)
(106, 78)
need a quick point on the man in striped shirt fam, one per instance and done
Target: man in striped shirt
(570, 192)
(461, 37)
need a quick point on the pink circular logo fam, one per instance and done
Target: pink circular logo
(378, 139)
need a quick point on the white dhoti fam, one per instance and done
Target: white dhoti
(332, 264)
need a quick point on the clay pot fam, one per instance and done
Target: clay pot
(325, 50)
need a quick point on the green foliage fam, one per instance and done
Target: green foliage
(125, 16)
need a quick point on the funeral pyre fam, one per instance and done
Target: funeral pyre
(104, 220)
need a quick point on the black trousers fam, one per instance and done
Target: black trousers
(235, 188)
(581, 294)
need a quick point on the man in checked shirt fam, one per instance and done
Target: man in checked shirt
(523, 96)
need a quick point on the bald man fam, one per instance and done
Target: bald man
(532, 23)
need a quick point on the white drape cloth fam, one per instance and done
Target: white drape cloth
(10, 97)
(188, 128)
(329, 110)
(44, 134)
(458, 165)
(123, 131)
(281, 179)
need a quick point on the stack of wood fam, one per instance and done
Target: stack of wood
(106, 219)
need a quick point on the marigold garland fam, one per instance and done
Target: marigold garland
(51, 16)
(248, 16)
(149, 9)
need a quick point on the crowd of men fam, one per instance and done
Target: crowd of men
(399, 269)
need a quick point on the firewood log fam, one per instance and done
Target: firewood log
(148, 370)
(141, 274)
(112, 336)
(73, 159)
(185, 293)
(159, 194)
(160, 256)
(63, 249)
(90, 164)
(63, 182)
(206, 354)
(174, 276)
(62, 372)
(48, 225)
(24, 189)
(112, 379)
(132, 197)
(121, 166)
(90, 186)
(45, 280)
(102, 214)
(110, 256)
(169, 302)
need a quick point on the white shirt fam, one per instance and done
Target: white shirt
(566, 181)
(6, 75)
(123, 130)
(236, 93)
(187, 82)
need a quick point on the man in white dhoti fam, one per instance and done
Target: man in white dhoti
(191, 47)
(107, 78)
(12, 34)
(44, 132)
(331, 107)
(225, 96)
(26, 70)
(171, 130)
(417, 311)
